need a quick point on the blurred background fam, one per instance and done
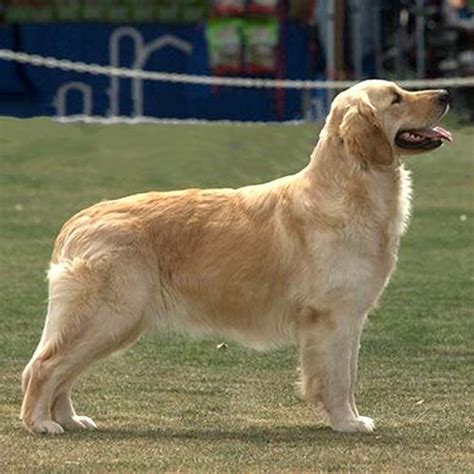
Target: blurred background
(255, 39)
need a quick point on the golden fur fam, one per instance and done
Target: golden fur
(301, 260)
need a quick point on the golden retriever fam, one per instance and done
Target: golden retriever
(302, 259)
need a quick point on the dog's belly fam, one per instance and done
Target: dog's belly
(262, 332)
(249, 308)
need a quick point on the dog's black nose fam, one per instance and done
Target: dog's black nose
(443, 97)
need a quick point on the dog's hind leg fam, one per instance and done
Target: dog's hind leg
(62, 409)
(87, 320)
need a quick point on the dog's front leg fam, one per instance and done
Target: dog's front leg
(329, 350)
(354, 363)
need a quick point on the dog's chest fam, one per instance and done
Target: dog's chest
(355, 265)
(342, 276)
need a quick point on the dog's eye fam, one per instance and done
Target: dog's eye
(396, 99)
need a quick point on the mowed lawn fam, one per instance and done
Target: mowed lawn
(175, 404)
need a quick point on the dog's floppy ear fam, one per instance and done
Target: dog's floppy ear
(363, 135)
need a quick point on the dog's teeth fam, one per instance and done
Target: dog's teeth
(411, 136)
(414, 137)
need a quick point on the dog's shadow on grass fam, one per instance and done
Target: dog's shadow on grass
(252, 434)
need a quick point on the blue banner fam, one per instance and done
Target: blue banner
(27, 90)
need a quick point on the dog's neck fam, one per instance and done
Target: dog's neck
(336, 181)
(330, 153)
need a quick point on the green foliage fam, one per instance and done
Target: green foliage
(176, 404)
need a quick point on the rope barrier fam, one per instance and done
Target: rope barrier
(118, 119)
(78, 66)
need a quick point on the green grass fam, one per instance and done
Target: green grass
(173, 404)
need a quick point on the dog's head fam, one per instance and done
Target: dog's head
(377, 120)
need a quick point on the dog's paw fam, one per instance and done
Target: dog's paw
(86, 422)
(78, 423)
(368, 422)
(362, 424)
(45, 427)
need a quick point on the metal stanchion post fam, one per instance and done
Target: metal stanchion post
(355, 14)
(331, 45)
(420, 40)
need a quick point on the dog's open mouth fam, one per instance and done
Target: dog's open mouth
(427, 138)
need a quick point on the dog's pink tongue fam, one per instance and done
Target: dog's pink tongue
(436, 133)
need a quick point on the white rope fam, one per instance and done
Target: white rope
(119, 119)
(111, 71)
